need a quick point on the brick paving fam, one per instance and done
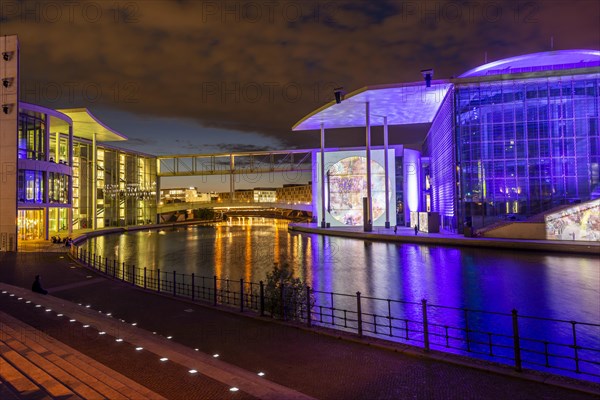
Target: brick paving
(317, 365)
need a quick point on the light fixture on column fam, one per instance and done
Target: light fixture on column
(7, 55)
(6, 108)
(339, 94)
(6, 82)
(427, 75)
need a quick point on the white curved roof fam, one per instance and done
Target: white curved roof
(407, 103)
(545, 61)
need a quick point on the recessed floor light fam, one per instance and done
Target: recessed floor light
(193, 371)
(215, 355)
(233, 389)
(139, 348)
(118, 340)
(86, 326)
(37, 306)
(48, 309)
(109, 314)
(71, 320)
(197, 349)
(169, 337)
(20, 298)
(134, 324)
(28, 301)
(164, 359)
(88, 306)
(261, 374)
(102, 333)
(4, 291)
(59, 315)
(12, 295)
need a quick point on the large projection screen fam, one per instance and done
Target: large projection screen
(345, 187)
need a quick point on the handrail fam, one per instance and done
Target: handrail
(512, 338)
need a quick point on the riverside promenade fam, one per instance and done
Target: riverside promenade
(296, 363)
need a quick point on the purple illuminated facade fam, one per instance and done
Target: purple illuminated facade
(508, 140)
(524, 139)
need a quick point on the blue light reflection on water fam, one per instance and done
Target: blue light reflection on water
(536, 284)
(553, 286)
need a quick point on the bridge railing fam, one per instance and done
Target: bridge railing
(570, 348)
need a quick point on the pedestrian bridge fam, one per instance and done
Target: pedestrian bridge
(234, 206)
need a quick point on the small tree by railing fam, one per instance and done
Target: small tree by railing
(285, 295)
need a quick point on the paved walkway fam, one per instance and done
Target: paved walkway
(297, 363)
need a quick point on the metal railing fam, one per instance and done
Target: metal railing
(570, 348)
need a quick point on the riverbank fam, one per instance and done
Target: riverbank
(407, 235)
(296, 362)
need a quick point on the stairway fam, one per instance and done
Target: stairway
(35, 366)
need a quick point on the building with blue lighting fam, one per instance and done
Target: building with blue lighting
(508, 140)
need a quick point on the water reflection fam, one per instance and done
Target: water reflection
(553, 286)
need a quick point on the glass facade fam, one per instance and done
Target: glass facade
(32, 136)
(62, 185)
(440, 176)
(526, 146)
(30, 186)
(347, 186)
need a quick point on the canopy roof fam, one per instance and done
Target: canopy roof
(85, 124)
(403, 104)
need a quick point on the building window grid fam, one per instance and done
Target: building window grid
(511, 155)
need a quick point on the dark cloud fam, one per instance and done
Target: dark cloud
(261, 66)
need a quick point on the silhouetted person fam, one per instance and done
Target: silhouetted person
(37, 286)
(416, 230)
(395, 229)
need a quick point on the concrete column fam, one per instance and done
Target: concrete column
(94, 172)
(369, 224)
(322, 177)
(70, 162)
(46, 179)
(231, 178)
(387, 184)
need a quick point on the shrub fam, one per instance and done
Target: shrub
(285, 296)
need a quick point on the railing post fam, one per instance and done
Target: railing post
(193, 287)
(359, 314)
(133, 279)
(308, 305)
(158, 281)
(114, 267)
(215, 290)
(425, 325)
(105, 265)
(516, 339)
(241, 294)
(467, 330)
(575, 347)
(145, 278)
(174, 284)
(262, 299)
(282, 299)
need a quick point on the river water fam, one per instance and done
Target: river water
(557, 286)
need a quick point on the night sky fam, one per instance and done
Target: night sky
(218, 76)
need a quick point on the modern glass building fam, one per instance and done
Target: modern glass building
(525, 138)
(59, 171)
(509, 140)
(68, 178)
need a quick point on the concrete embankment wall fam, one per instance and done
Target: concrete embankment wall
(518, 230)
